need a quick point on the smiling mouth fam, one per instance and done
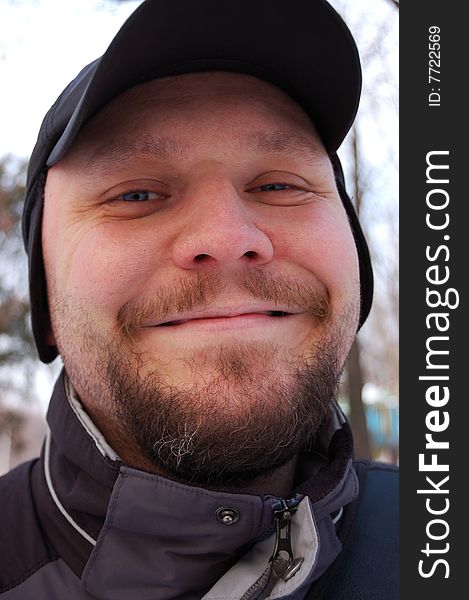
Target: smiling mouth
(215, 318)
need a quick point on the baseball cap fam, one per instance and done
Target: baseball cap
(301, 46)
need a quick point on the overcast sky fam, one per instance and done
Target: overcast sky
(43, 45)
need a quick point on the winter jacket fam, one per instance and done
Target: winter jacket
(78, 524)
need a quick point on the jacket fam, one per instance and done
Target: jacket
(77, 524)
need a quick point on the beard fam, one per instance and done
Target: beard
(257, 407)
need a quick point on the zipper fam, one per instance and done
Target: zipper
(283, 564)
(257, 589)
(283, 541)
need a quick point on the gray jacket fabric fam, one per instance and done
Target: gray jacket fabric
(77, 523)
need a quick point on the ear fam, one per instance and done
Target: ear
(50, 337)
(47, 331)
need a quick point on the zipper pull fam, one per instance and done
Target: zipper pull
(283, 542)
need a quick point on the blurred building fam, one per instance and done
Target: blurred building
(22, 431)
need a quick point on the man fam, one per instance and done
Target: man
(197, 264)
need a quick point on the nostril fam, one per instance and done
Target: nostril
(200, 257)
(250, 254)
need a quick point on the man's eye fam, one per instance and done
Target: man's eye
(138, 196)
(274, 187)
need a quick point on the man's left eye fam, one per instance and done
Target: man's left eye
(275, 187)
(138, 196)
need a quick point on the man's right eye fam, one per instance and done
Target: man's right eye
(138, 196)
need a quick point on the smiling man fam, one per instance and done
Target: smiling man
(197, 264)
(202, 275)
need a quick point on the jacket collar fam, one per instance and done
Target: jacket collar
(126, 532)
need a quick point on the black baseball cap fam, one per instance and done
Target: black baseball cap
(301, 46)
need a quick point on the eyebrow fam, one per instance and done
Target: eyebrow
(283, 142)
(119, 152)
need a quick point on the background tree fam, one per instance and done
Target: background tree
(371, 166)
(17, 356)
(16, 343)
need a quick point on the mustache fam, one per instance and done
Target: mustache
(201, 290)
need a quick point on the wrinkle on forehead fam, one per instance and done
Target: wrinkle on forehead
(200, 85)
(194, 95)
(119, 151)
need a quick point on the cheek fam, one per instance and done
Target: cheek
(324, 245)
(106, 266)
(338, 259)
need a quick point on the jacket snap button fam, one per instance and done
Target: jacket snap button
(227, 515)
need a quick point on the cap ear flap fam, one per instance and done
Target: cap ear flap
(364, 259)
(40, 317)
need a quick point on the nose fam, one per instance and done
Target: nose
(219, 230)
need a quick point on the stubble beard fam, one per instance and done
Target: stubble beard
(256, 406)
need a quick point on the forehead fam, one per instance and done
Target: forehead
(227, 107)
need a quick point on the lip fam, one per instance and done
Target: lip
(231, 316)
(218, 324)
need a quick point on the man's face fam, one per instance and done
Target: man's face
(202, 275)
